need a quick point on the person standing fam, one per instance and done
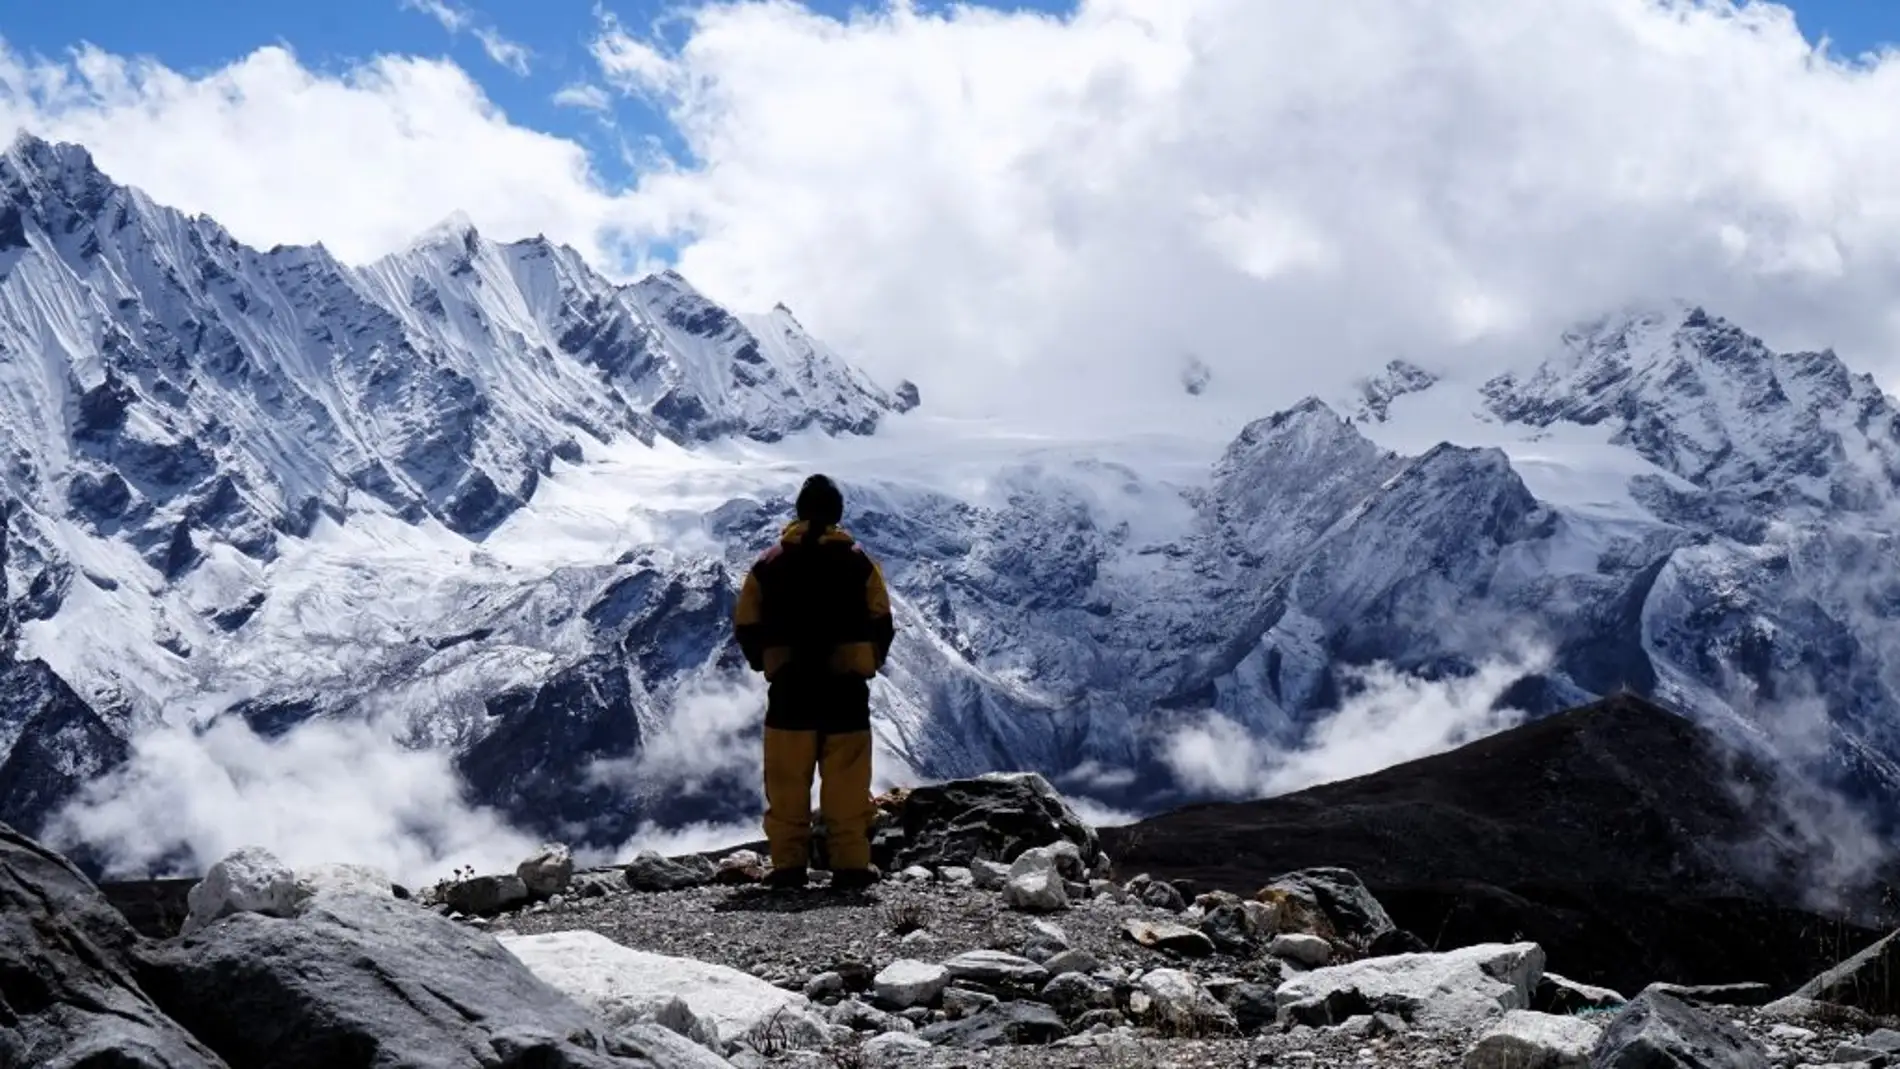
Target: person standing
(814, 618)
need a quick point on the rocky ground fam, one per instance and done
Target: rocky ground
(998, 940)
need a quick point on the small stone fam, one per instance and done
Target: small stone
(1172, 937)
(961, 1002)
(1107, 889)
(648, 871)
(1037, 891)
(1023, 1023)
(1072, 961)
(957, 876)
(1159, 895)
(894, 1048)
(825, 985)
(1104, 1019)
(995, 968)
(487, 895)
(1263, 921)
(1308, 950)
(857, 974)
(247, 880)
(916, 939)
(1253, 1006)
(917, 874)
(989, 875)
(1173, 998)
(906, 983)
(740, 868)
(1074, 994)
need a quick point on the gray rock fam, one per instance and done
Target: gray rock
(917, 874)
(824, 985)
(648, 871)
(1174, 1001)
(1464, 988)
(741, 867)
(961, 1002)
(1072, 961)
(1159, 935)
(1555, 994)
(662, 1047)
(1100, 1019)
(548, 872)
(989, 875)
(1744, 994)
(1226, 925)
(337, 878)
(1340, 898)
(1045, 941)
(1074, 994)
(1864, 981)
(957, 876)
(894, 1048)
(1308, 950)
(1038, 892)
(1156, 893)
(68, 996)
(1108, 889)
(1004, 1024)
(859, 1017)
(356, 974)
(250, 879)
(1884, 1040)
(485, 896)
(1659, 1030)
(998, 815)
(1252, 1005)
(993, 968)
(1522, 1039)
(905, 983)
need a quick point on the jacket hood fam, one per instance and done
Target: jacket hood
(794, 532)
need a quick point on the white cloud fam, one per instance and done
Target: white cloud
(1045, 213)
(362, 161)
(453, 19)
(711, 732)
(507, 53)
(584, 96)
(504, 52)
(324, 791)
(1390, 718)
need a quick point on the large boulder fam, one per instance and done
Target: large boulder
(360, 979)
(993, 817)
(1465, 988)
(1660, 1031)
(341, 878)
(622, 984)
(68, 996)
(1864, 981)
(548, 871)
(1328, 902)
(648, 871)
(247, 880)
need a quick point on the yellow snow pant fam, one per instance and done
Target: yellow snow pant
(843, 764)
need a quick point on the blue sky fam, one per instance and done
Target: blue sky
(197, 36)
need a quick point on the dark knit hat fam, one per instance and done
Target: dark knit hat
(820, 503)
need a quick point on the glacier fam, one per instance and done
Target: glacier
(498, 505)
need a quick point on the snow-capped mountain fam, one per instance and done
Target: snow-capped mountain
(499, 505)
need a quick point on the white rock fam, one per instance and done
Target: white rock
(623, 985)
(1791, 1033)
(894, 1048)
(957, 876)
(341, 879)
(1261, 919)
(917, 874)
(1308, 950)
(1040, 891)
(989, 875)
(1463, 988)
(1171, 996)
(250, 879)
(1068, 859)
(1035, 859)
(905, 983)
(1526, 1040)
(548, 871)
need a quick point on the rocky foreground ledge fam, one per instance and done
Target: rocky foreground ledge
(1005, 939)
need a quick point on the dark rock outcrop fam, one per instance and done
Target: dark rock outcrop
(992, 818)
(1659, 1031)
(1613, 835)
(68, 995)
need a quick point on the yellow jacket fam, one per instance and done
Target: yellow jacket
(817, 599)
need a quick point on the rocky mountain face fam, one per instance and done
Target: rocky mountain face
(500, 504)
